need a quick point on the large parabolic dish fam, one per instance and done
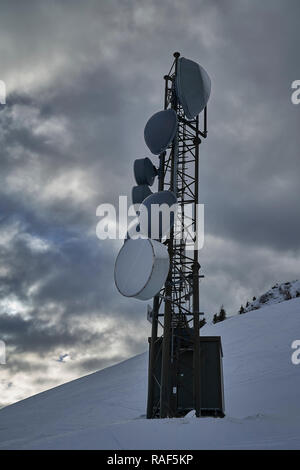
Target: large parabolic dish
(193, 87)
(141, 268)
(160, 130)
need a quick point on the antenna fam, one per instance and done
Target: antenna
(157, 214)
(193, 87)
(139, 193)
(141, 268)
(160, 130)
(144, 171)
(163, 265)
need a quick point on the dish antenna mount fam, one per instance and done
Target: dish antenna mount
(174, 134)
(176, 308)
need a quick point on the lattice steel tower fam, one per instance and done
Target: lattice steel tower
(176, 307)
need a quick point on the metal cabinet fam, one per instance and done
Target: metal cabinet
(182, 376)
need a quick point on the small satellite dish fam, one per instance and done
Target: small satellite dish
(144, 171)
(139, 193)
(141, 268)
(157, 214)
(193, 87)
(160, 130)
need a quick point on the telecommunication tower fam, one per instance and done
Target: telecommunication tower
(185, 371)
(177, 304)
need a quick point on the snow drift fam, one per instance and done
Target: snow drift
(106, 410)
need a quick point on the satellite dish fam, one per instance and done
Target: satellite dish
(160, 130)
(139, 193)
(193, 87)
(157, 214)
(144, 171)
(141, 268)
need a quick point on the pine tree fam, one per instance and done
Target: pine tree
(241, 310)
(254, 299)
(222, 314)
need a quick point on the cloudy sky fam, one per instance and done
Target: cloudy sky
(82, 79)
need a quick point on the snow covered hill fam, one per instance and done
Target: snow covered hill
(106, 409)
(279, 293)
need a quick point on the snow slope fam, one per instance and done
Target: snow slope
(277, 294)
(106, 409)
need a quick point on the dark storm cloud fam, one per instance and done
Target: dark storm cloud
(82, 81)
(256, 134)
(40, 336)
